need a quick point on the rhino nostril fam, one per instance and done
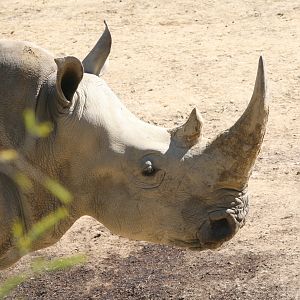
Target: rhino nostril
(221, 229)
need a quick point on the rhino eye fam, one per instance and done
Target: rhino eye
(148, 169)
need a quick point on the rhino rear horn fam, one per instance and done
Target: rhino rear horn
(235, 150)
(69, 74)
(189, 133)
(95, 60)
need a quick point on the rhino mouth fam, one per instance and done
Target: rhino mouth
(211, 235)
(222, 224)
(220, 227)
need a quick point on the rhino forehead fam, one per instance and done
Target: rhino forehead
(104, 109)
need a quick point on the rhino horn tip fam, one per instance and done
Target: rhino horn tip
(194, 111)
(260, 83)
(189, 133)
(196, 117)
(106, 26)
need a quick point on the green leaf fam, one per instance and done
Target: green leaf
(23, 181)
(66, 262)
(8, 155)
(58, 190)
(25, 241)
(29, 119)
(42, 265)
(33, 127)
(10, 284)
(46, 223)
(43, 129)
(18, 229)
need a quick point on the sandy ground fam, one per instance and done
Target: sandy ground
(168, 57)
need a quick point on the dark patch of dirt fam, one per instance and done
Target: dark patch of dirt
(158, 272)
(54, 285)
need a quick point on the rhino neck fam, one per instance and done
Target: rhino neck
(26, 66)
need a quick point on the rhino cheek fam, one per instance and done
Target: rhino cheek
(194, 212)
(133, 213)
(158, 217)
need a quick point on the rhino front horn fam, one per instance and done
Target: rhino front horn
(95, 60)
(188, 134)
(235, 150)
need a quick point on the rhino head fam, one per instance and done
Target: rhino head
(146, 182)
(141, 181)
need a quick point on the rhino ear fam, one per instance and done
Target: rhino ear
(69, 75)
(188, 134)
(94, 62)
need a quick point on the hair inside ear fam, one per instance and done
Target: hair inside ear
(69, 83)
(69, 75)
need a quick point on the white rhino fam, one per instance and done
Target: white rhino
(141, 181)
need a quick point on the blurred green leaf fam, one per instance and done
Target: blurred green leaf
(47, 222)
(18, 229)
(23, 181)
(10, 284)
(24, 241)
(42, 265)
(42, 129)
(8, 155)
(58, 190)
(66, 262)
(29, 119)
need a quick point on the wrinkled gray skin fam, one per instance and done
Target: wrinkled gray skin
(141, 181)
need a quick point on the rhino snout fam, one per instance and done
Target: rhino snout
(223, 225)
(220, 227)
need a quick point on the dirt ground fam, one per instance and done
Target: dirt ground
(168, 57)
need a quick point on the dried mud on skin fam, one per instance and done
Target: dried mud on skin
(157, 272)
